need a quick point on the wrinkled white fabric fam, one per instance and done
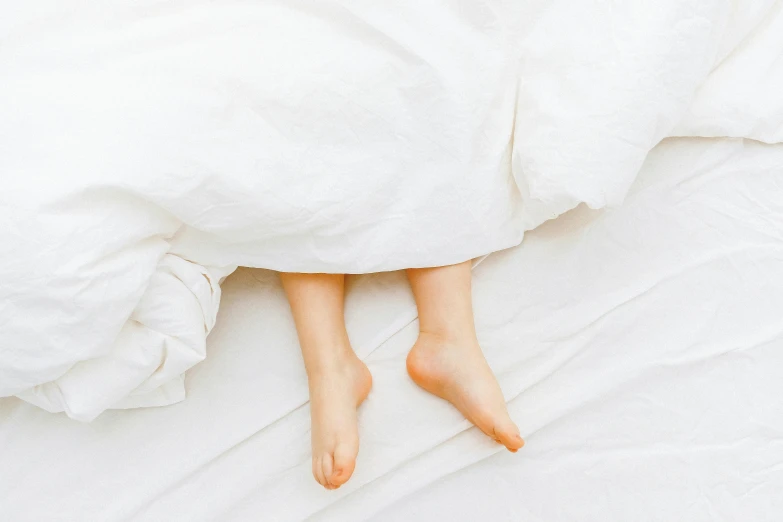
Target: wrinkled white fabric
(334, 136)
(741, 97)
(639, 349)
(602, 83)
(164, 337)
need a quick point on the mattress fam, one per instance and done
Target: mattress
(639, 348)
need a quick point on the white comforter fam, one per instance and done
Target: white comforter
(639, 349)
(147, 149)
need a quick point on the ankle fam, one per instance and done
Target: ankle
(337, 361)
(342, 370)
(448, 335)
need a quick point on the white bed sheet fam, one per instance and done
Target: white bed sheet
(640, 350)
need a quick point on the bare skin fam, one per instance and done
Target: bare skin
(338, 381)
(446, 361)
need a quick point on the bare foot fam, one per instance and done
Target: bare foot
(459, 373)
(336, 392)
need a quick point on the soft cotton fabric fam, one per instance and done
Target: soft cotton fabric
(148, 148)
(639, 348)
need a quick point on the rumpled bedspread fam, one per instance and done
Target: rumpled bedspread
(147, 149)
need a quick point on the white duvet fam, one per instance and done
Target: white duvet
(639, 349)
(148, 148)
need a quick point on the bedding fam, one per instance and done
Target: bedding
(639, 348)
(148, 149)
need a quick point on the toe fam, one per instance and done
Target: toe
(344, 463)
(507, 434)
(328, 469)
(318, 471)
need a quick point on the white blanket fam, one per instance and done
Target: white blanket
(147, 149)
(640, 350)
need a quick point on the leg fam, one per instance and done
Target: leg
(338, 380)
(447, 359)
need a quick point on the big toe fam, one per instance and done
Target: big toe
(507, 433)
(344, 463)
